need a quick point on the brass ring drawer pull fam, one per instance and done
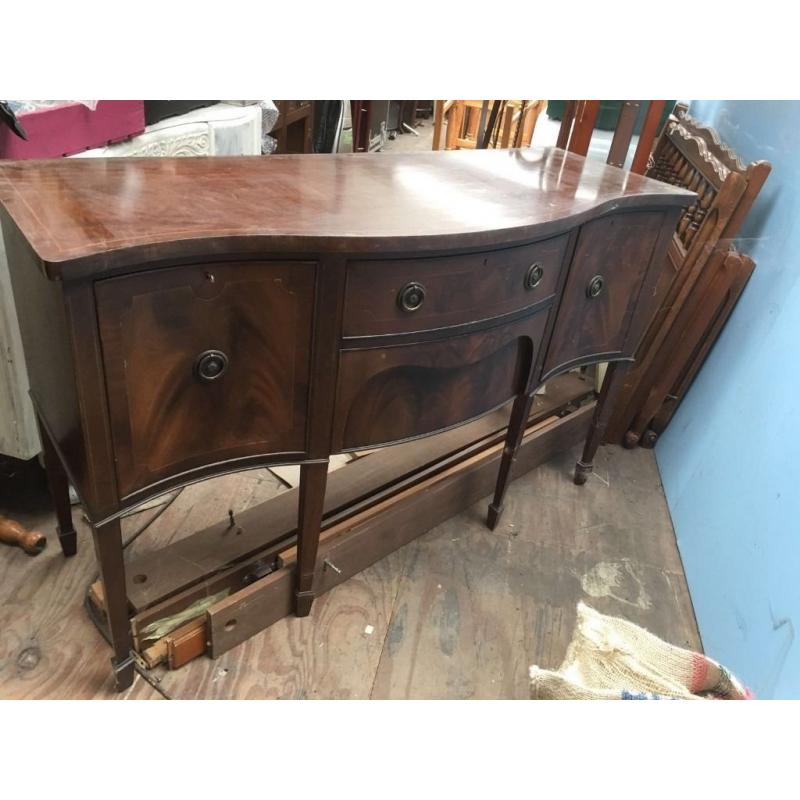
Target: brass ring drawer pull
(534, 276)
(411, 296)
(595, 287)
(210, 365)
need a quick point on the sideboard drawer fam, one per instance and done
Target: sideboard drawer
(404, 295)
(389, 394)
(612, 256)
(205, 364)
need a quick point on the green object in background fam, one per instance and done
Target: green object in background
(609, 114)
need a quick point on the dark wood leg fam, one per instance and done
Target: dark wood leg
(313, 478)
(58, 484)
(516, 427)
(612, 386)
(108, 548)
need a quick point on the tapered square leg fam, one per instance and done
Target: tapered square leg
(516, 427)
(582, 472)
(313, 478)
(58, 484)
(612, 385)
(108, 548)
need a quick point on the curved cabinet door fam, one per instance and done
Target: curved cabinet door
(612, 257)
(389, 394)
(205, 364)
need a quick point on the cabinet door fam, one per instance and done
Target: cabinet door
(204, 365)
(611, 260)
(389, 394)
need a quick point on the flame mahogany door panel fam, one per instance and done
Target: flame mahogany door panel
(612, 258)
(392, 393)
(205, 364)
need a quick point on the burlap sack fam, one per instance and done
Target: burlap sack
(613, 659)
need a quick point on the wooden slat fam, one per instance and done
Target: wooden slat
(438, 121)
(583, 129)
(623, 133)
(647, 136)
(386, 527)
(566, 124)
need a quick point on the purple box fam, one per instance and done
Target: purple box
(71, 127)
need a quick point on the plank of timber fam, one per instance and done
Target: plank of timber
(623, 133)
(647, 136)
(97, 596)
(157, 653)
(582, 131)
(438, 119)
(333, 653)
(385, 528)
(565, 128)
(215, 548)
(186, 643)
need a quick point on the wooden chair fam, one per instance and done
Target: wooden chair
(474, 124)
(578, 121)
(690, 155)
(696, 330)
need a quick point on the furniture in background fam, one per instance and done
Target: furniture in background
(56, 128)
(157, 110)
(182, 321)
(221, 129)
(480, 124)
(580, 117)
(374, 121)
(700, 272)
(294, 130)
(697, 326)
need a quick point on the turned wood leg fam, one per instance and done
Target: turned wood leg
(58, 483)
(516, 427)
(612, 386)
(312, 499)
(108, 548)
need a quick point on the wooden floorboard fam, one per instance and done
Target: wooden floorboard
(460, 612)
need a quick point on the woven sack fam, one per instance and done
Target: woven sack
(613, 659)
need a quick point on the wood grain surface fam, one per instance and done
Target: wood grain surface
(153, 328)
(395, 393)
(90, 216)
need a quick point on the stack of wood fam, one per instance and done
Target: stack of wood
(478, 124)
(702, 279)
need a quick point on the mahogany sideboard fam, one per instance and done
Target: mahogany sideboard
(184, 318)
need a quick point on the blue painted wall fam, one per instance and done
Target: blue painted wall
(730, 460)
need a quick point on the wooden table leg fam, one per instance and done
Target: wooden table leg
(108, 547)
(313, 478)
(516, 427)
(612, 386)
(58, 483)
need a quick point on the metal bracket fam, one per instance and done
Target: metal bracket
(259, 571)
(328, 563)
